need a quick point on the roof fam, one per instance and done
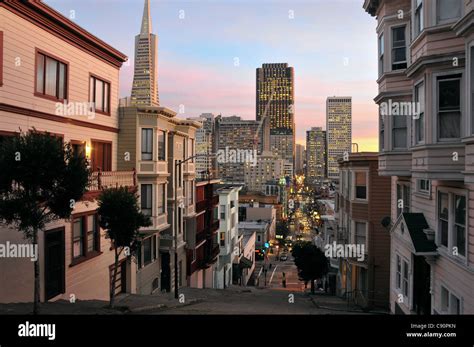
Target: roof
(45, 17)
(416, 223)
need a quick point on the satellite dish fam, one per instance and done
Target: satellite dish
(386, 221)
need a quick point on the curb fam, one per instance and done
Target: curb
(164, 306)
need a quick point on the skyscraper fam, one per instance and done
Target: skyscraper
(338, 131)
(145, 78)
(205, 161)
(315, 155)
(275, 108)
(299, 158)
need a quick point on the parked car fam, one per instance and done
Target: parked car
(284, 257)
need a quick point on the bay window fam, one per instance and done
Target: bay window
(147, 144)
(146, 199)
(452, 226)
(361, 185)
(447, 10)
(161, 145)
(399, 56)
(381, 55)
(399, 132)
(161, 198)
(420, 118)
(449, 107)
(419, 18)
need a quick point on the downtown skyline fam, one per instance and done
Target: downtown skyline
(329, 58)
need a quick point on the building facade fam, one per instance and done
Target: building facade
(205, 151)
(275, 109)
(265, 168)
(237, 142)
(315, 155)
(338, 132)
(228, 235)
(363, 201)
(299, 159)
(51, 92)
(426, 70)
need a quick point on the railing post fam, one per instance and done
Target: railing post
(99, 183)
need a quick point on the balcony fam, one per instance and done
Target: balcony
(215, 226)
(201, 206)
(395, 163)
(101, 180)
(214, 201)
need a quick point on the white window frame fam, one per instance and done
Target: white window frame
(354, 223)
(152, 197)
(381, 54)
(353, 186)
(470, 86)
(420, 190)
(451, 294)
(391, 28)
(451, 223)
(419, 84)
(400, 290)
(152, 142)
(435, 86)
(417, 31)
(403, 185)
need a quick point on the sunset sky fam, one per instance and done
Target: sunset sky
(330, 44)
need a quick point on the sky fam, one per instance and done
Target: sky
(208, 52)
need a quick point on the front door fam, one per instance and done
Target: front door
(54, 272)
(421, 286)
(165, 272)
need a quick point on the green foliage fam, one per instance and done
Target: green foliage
(121, 217)
(40, 179)
(311, 262)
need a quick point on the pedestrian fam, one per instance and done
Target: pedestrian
(283, 280)
(270, 266)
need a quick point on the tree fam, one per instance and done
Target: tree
(121, 218)
(311, 262)
(40, 181)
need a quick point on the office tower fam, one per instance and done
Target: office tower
(205, 160)
(145, 78)
(299, 158)
(338, 131)
(315, 155)
(275, 109)
(237, 141)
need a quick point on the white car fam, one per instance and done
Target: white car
(284, 257)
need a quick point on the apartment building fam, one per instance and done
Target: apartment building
(158, 144)
(57, 77)
(206, 160)
(202, 238)
(316, 155)
(228, 234)
(426, 137)
(363, 201)
(266, 167)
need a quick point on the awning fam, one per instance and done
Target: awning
(245, 262)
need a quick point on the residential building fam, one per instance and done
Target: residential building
(261, 228)
(316, 155)
(203, 237)
(265, 213)
(275, 109)
(266, 167)
(67, 85)
(363, 201)
(426, 144)
(153, 140)
(145, 76)
(299, 159)
(237, 141)
(244, 264)
(263, 200)
(338, 132)
(228, 235)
